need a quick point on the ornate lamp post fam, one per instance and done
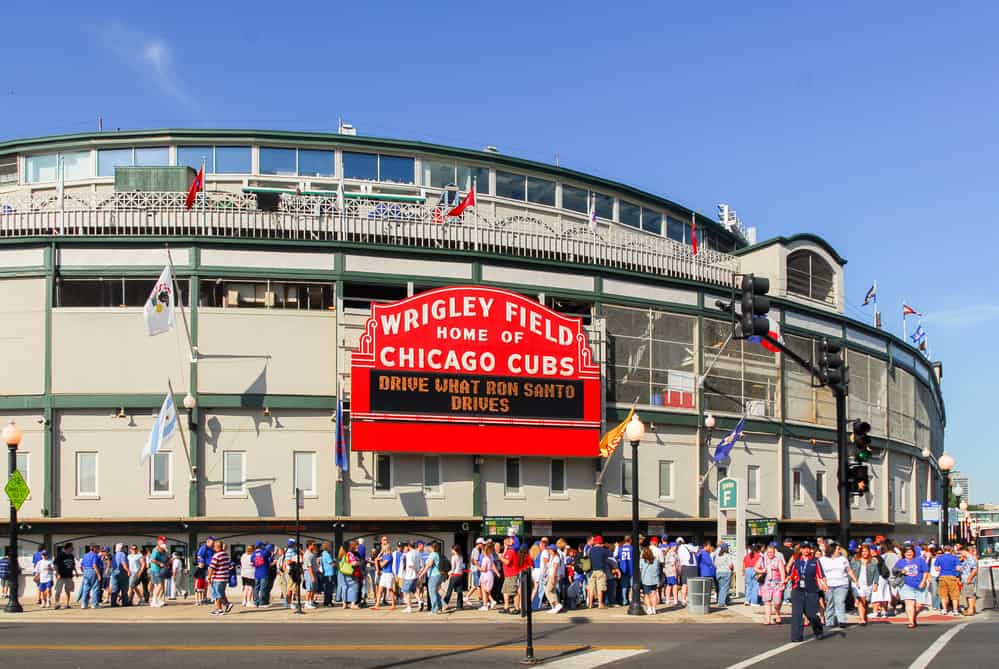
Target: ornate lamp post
(945, 463)
(12, 437)
(634, 432)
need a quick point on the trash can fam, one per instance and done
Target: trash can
(699, 595)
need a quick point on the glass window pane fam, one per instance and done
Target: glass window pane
(605, 206)
(820, 486)
(558, 477)
(626, 473)
(512, 476)
(431, 474)
(277, 161)
(86, 473)
(753, 483)
(152, 156)
(575, 199)
(510, 185)
(541, 191)
(676, 230)
(438, 175)
(630, 214)
(22, 463)
(383, 472)
(796, 485)
(232, 160)
(665, 478)
(41, 168)
(397, 169)
(232, 472)
(76, 165)
(161, 472)
(652, 221)
(315, 163)
(360, 166)
(191, 157)
(108, 159)
(479, 174)
(303, 471)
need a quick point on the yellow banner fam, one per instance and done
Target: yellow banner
(609, 442)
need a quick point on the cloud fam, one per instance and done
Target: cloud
(150, 56)
(962, 317)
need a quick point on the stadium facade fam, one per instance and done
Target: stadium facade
(298, 234)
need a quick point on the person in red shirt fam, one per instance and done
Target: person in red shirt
(749, 572)
(511, 570)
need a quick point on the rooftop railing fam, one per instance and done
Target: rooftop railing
(493, 227)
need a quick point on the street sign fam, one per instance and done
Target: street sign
(728, 494)
(761, 527)
(17, 489)
(500, 526)
(931, 511)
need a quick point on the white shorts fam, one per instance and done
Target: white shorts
(386, 580)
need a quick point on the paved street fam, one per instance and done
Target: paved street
(566, 642)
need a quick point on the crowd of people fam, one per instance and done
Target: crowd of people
(820, 581)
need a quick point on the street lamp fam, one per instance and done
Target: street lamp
(634, 432)
(12, 437)
(945, 463)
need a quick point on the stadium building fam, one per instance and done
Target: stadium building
(279, 262)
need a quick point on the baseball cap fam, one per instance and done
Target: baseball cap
(44, 552)
(773, 544)
(161, 538)
(291, 542)
(680, 540)
(361, 541)
(788, 540)
(598, 539)
(806, 544)
(654, 540)
(480, 541)
(210, 539)
(258, 544)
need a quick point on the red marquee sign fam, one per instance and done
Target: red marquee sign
(474, 370)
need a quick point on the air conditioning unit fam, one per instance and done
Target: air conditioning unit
(756, 408)
(269, 299)
(232, 299)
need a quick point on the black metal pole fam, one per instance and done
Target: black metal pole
(945, 510)
(527, 604)
(300, 554)
(634, 606)
(13, 604)
(844, 469)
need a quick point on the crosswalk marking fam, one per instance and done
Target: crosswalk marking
(594, 658)
(768, 654)
(927, 655)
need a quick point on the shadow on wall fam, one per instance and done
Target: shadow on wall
(263, 499)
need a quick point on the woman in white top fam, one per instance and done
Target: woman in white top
(838, 575)
(246, 573)
(177, 576)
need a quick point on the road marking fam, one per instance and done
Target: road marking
(924, 660)
(770, 653)
(553, 648)
(596, 658)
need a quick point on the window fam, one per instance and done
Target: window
(541, 191)
(233, 473)
(232, 160)
(152, 156)
(480, 175)
(440, 175)
(652, 221)
(629, 214)
(809, 275)
(575, 199)
(891, 493)
(305, 472)
(678, 231)
(868, 390)
(315, 163)
(278, 161)
(556, 479)
(75, 165)
(805, 403)
(626, 474)
(108, 159)
(902, 403)
(649, 356)
(266, 295)
(666, 479)
(744, 377)
(86, 474)
(605, 206)
(509, 185)
(432, 475)
(362, 295)
(796, 486)
(383, 473)
(160, 468)
(372, 167)
(820, 487)
(901, 496)
(8, 169)
(116, 292)
(396, 169)
(753, 483)
(191, 156)
(512, 483)
(45, 167)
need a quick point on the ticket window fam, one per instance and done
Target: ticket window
(236, 552)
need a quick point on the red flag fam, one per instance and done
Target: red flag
(693, 235)
(909, 311)
(197, 185)
(469, 201)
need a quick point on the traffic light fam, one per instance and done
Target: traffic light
(862, 440)
(755, 305)
(831, 370)
(860, 481)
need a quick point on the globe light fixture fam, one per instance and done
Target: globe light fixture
(709, 422)
(635, 430)
(957, 490)
(12, 434)
(946, 462)
(190, 402)
(926, 454)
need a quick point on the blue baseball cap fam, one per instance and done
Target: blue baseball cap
(291, 542)
(853, 545)
(258, 544)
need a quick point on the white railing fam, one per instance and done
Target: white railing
(565, 237)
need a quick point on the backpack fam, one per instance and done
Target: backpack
(345, 566)
(295, 570)
(584, 564)
(883, 569)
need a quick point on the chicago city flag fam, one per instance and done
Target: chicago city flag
(160, 305)
(610, 441)
(163, 429)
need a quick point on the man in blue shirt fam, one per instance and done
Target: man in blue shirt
(34, 560)
(624, 560)
(597, 584)
(203, 558)
(329, 568)
(949, 583)
(119, 577)
(92, 572)
(261, 567)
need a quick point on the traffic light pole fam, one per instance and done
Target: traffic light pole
(843, 474)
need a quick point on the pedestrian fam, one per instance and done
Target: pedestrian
(671, 575)
(5, 573)
(44, 575)
(247, 578)
(351, 571)
(769, 574)
(487, 574)
(177, 576)
(649, 573)
(431, 569)
(328, 567)
(473, 561)
(949, 580)
(219, 570)
(158, 559)
(293, 572)
(687, 560)
(35, 557)
(839, 575)
(366, 571)
(865, 568)
(551, 579)
(725, 571)
(597, 581)
(511, 570)
(706, 565)
(89, 590)
(386, 577)
(202, 559)
(104, 591)
(310, 574)
(807, 581)
(136, 568)
(120, 575)
(913, 576)
(749, 561)
(625, 560)
(66, 571)
(969, 578)
(456, 579)
(260, 561)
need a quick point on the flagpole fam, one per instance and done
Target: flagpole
(475, 212)
(176, 287)
(904, 329)
(62, 195)
(603, 470)
(875, 303)
(180, 429)
(204, 198)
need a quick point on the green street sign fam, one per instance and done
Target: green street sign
(728, 497)
(17, 489)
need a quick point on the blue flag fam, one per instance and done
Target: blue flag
(871, 296)
(918, 336)
(341, 456)
(163, 429)
(728, 442)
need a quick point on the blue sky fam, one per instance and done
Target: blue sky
(873, 127)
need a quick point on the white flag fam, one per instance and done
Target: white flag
(163, 429)
(160, 305)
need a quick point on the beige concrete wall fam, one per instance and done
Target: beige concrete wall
(407, 498)
(902, 471)
(301, 347)
(810, 460)
(32, 445)
(763, 452)
(269, 444)
(98, 350)
(123, 483)
(22, 338)
(535, 499)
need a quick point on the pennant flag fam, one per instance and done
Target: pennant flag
(725, 445)
(918, 335)
(163, 429)
(693, 234)
(909, 311)
(871, 296)
(340, 454)
(197, 185)
(610, 441)
(593, 213)
(160, 305)
(469, 201)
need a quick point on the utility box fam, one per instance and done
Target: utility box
(153, 179)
